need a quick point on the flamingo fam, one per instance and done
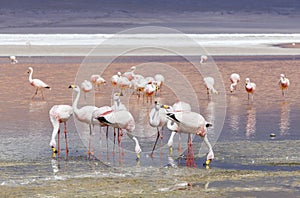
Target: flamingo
(284, 83)
(234, 79)
(209, 83)
(130, 74)
(13, 59)
(59, 114)
(85, 114)
(86, 87)
(97, 80)
(178, 106)
(203, 59)
(118, 106)
(40, 85)
(149, 91)
(250, 87)
(192, 123)
(123, 120)
(115, 78)
(159, 81)
(157, 118)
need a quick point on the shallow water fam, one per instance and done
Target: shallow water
(243, 147)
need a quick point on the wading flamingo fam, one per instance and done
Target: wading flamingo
(13, 59)
(178, 106)
(157, 118)
(234, 79)
(209, 83)
(130, 74)
(203, 59)
(59, 114)
(284, 83)
(192, 123)
(37, 83)
(123, 120)
(86, 86)
(84, 114)
(97, 81)
(250, 88)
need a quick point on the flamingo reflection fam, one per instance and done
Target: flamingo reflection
(284, 118)
(234, 116)
(251, 121)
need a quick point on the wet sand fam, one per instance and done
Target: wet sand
(247, 163)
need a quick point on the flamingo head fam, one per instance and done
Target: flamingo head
(75, 88)
(247, 80)
(133, 68)
(231, 88)
(29, 70)
(282, 76)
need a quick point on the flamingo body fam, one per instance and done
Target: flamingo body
(234, 79)
(37, 83)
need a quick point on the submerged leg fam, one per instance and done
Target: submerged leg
(65, 131)
(155, 142)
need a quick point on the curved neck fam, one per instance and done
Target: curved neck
(205, 139)
(75, 103)
(30, 75)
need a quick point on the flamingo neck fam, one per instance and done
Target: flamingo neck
(75, 103)
(172, 127)
(205, 139)
(30, 75)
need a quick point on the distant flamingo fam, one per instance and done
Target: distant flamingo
(123, 120)
(203, 59)
(159, 81)
(149, 91)
(209, 83)
(13, 59)
(86, 86)
(97, 81)
(250, 87)
(115, 78)
(40, 85)
(157, 118)
(284, 83)
(192, 123)
(234, 79)
(59, 114)
(130, 74)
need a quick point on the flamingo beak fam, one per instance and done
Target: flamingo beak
(121, 94)
(165, 106)
(207, 163)
(72, 86)
(53, 149)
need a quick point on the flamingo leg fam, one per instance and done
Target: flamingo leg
(58, 141)
(190, 158)
(90, 140)
(155, 142)
(65, 131)
(42, 94)
(35, 93)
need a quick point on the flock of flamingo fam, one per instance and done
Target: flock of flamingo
(179, 118)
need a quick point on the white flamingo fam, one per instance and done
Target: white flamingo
(84, 114)
(130, 74)
(37, 83)
(234, 79)
(13, 59)
(86, 86)
(123, 120)
(97, 81)
(178, 106)
(59, 114)
(157, 118)
(117, 106)
(209, 83)
(192, 123)
(284, 83)
(115, 79)
(159, 81)
(250, 88)
(149, 91)
(203, 59)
